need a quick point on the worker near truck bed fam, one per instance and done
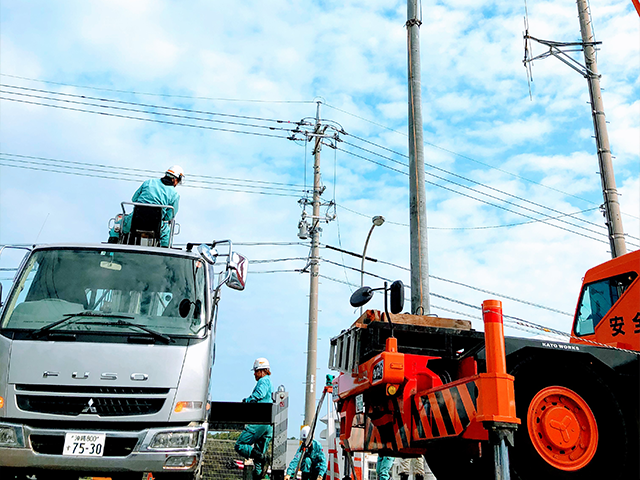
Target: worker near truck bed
(254, 439)
(383, 467)
(314, 465)
(157, 191)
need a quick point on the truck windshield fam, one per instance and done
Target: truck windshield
(161, 292)
(597, 299)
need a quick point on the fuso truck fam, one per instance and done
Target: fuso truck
(106, 353)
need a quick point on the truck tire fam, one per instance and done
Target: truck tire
(572, 425)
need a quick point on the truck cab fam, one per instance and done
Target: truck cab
(608, 310)
(106, 354)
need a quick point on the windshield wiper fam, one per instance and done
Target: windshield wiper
(69, 316)
(157, 335)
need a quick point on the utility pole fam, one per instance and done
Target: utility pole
(312, 343)
(609, 191)
(417, 194)
(316, 131)
(589, 71)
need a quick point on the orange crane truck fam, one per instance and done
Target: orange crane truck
(414, 385)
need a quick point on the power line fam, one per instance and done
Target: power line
(481, 200)
(124, 109)
(166, 95)
(466, 157)
(276, 260)
(138, 180)
(84, 167)
(155, 172)
(202, 112)
(525, 302)
(477, 183)
(258, 118)
(151, 120)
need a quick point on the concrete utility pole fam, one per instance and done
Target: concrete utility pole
(312, 343)
(609, 192)
(417, 195)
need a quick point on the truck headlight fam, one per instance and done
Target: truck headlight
(187, 406)
(176, 440)
(11, 436)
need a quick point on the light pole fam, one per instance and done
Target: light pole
(377, 221)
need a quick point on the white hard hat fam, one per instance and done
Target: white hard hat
(304, 432)
(260, 364)
(176, 172)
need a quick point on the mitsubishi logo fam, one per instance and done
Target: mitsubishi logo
(89, 408)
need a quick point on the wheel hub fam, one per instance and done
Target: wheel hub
(562, 428)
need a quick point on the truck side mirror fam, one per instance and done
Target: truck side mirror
(397, 296)
(361, 296)
(238, 271)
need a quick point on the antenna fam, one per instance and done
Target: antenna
(527, 49)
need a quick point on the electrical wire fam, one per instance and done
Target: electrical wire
(276, 260)
(86, 167)
(152, 172)
(122, 102)
(485, 186)
(138, 180)
(150, 120)
(165, 95)
(135, 110)
(545, 221)
(525, 302)
(465, 157)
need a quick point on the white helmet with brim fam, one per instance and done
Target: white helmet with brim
(176, 172)
(260, 364)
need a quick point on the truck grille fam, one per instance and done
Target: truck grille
(53, 445)
(102, 406)
(104, 390)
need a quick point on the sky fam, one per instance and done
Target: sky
(217, 87)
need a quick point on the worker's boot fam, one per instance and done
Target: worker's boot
(419, 477)
(404, 476)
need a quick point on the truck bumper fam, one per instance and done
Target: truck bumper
(124, 451)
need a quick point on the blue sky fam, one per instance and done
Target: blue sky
(271, 60)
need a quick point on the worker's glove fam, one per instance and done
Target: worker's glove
(287, 477)
(320, 477)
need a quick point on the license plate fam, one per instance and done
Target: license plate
(84, 444)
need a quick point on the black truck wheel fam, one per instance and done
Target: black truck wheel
(572, 425)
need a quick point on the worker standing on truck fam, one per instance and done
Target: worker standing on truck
(157, 191)
(253, 441)
(314, 465)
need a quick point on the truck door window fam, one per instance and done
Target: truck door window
(596, 300)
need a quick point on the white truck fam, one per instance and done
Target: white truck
(106, 353)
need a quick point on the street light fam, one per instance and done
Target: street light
(377, 221)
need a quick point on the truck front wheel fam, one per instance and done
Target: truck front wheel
(572, 425)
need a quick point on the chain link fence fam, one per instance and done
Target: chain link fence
(220, 457)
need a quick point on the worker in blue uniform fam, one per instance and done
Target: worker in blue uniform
(156, 191)
(254, 439)
(314, 465)
(383, 467)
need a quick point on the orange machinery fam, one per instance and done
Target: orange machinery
(432, 386)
